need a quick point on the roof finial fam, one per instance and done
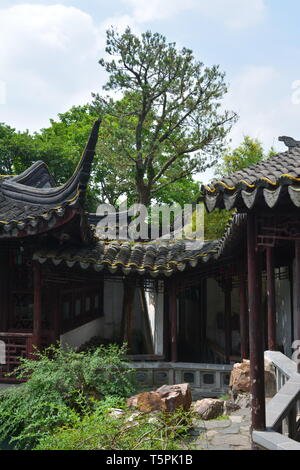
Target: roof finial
(289, 142)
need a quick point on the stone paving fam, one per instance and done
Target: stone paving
(224, 434)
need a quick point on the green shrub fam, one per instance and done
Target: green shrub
(102, 430)
(62, 387)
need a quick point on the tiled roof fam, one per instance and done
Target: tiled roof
(29, 202)
(144, 258)
(270, 182)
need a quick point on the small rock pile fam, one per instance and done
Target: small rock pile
(166, 398)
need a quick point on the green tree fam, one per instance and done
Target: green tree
(15, 147)
(248, 153)
(170, 123)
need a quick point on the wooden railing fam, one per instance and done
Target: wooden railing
(17, 346)
(282, 412)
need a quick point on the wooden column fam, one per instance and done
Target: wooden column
(297, 296)
(244, 317)
(228, 332)
(203, 318)
(4, 289)
(271, 299)
(255, 330)
(56, 313)
(173, 320)
(37, 305)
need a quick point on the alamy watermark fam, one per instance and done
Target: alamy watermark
(159, 223)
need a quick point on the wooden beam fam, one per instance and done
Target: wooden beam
(173, 320)
(227, 316)
(271, 299)
(297, 296)
(255, 330)
(244, 317)
(37, 305)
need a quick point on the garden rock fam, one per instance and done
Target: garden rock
(230, 407)
(176, 396)
(116, 412)
(240, 377)
(166, 398)
(209, 408)
(242, 400)
(146, 402)
(270, 380)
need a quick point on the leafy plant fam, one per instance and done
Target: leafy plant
(62, 387)
(102, 430)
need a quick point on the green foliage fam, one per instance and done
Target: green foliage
(166, 127)
(225, 398)
(102, 430)
(216, 223)
(168, 124)
(60, 146)
(223, 418)
(248, 153)
(62, 386)
(15, 147)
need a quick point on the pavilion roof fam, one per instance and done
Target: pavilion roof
(153, 258)
(271, 183)
(30, 203)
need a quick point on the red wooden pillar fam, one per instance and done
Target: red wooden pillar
(55, 314)
(244, 317)
(228, 332)
(297, 296)
(37, 305)
(4, 289)
(173, 320)
(255, 330)
(271, 299)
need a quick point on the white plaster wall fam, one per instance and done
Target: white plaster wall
(155, 305)
(284, 314)
(83, 333)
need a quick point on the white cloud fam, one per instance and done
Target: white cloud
(263, 98)
(234, 14)
(48, 57)
(264, 101)
(145, 10)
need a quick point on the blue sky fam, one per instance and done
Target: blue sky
(49, 52)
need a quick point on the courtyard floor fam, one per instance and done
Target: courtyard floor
(225, 434)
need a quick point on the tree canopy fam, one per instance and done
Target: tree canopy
(161, 123)
(248, 153)
(168, 124)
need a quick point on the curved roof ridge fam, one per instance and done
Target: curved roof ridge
(14, 188)
(261, 182)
